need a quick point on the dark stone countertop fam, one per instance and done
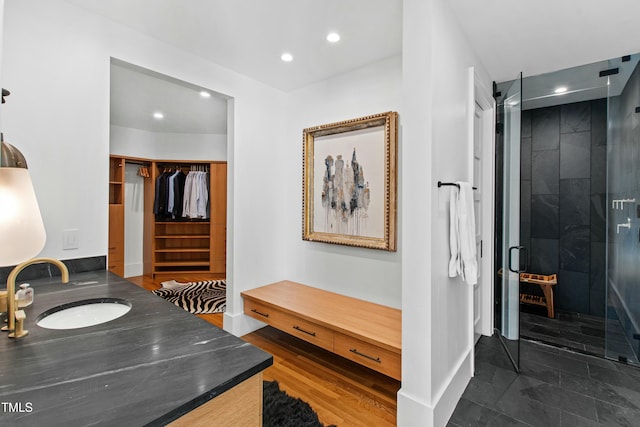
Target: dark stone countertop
(149, 367)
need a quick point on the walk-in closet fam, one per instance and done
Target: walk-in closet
(175, 241)
(168, 177)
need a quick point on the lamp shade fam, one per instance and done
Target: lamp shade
(22, 234)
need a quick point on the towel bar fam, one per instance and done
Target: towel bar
(451, 184)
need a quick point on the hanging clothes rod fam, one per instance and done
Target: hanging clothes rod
(189, 166)
(451, 184)
(137, 162)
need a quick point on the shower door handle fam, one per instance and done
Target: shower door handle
(526, 252)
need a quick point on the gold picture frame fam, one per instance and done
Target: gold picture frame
(351, 202)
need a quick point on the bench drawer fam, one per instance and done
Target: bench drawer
(293, 325)
(308, 331)
(367, 354)
(259, 311)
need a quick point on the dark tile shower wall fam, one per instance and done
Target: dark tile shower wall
(563, 184)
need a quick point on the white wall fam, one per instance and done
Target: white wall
(368, 274)
(56, 63)
(167, 146)
(124, 141)
(437, 351)
(133, 221)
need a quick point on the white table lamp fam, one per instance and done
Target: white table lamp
(22, 233)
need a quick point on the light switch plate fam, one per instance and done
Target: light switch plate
(70, 239)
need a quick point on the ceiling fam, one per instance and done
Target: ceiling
(248, 36)
(541, 36)
(137, 93)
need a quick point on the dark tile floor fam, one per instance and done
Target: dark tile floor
(571, 330)
(555, 387)
(580, 332)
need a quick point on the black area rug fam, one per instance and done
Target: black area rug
(209, 296)
(281, 410)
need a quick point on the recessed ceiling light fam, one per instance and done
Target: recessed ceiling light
(561, 89)
(333, 37)
(286, 57)
(205, 94)
(158, 115)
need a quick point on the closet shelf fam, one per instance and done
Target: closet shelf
(182, 264)
(183, 250)
(183, 222)
(183, 236)
(171, 271)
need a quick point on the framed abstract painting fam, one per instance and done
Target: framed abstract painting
(349, 182)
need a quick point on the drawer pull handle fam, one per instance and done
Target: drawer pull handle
(298, 328)
(261, 314)
(375, 359)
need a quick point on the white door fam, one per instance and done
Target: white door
(482, 167)
(477, 205)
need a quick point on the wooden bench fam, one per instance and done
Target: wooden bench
(364, 332)
(546, 282)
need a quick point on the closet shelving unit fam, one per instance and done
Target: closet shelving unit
(182, 245)
(115, 261)
(192, 247)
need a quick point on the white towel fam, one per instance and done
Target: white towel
(467, 230)
(462, 238)
(455, 266)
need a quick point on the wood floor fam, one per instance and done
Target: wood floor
(341, 392)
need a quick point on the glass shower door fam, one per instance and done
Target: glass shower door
(508, 281)
(622, 332)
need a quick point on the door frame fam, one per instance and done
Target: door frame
(481, 96)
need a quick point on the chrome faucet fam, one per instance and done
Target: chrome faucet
(15, 318)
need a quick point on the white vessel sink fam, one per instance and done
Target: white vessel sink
(81, 314)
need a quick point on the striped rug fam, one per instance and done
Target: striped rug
(205, 297)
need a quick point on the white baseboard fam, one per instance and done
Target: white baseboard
(414, 412)
(133, 270)
(239, 324)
